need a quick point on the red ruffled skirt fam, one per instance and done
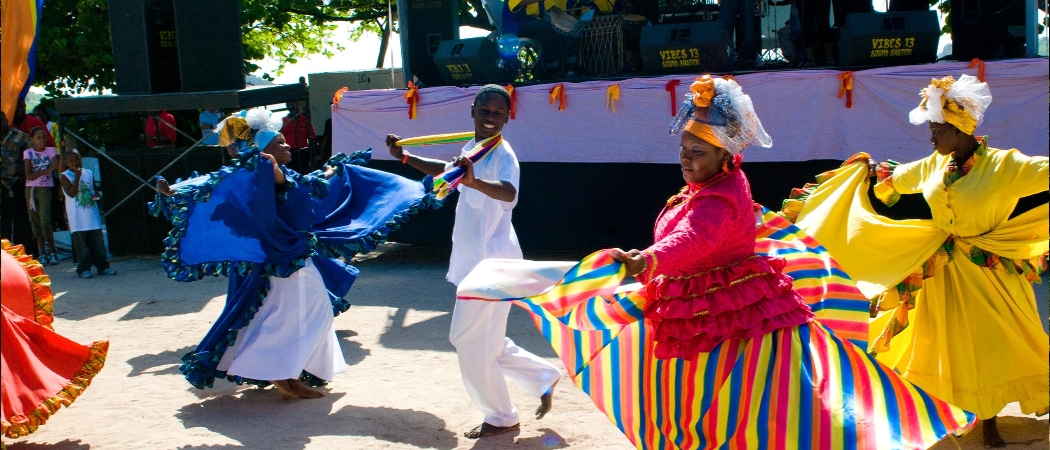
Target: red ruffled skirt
(40, 370)
(743, 300)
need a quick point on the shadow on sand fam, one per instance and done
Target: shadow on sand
(163, 363)
(1019, 432)
(548, 440)
(61, 445)
(259, 419)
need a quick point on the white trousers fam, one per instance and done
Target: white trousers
(486, 356)
(292, 331)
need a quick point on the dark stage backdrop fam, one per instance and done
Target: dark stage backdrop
(585, 207)
(562, 206)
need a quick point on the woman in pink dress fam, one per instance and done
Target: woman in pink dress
(719, 347)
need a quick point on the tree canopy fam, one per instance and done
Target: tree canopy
(74, 53)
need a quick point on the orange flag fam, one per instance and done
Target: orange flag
(558, 93)
(674, 98)
(846, 86)
(976, 62)
(513, 100)
(412, 98)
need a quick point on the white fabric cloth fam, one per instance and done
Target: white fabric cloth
(799, 109)
(486, 355)
(82, 211)
(483, 228)
(292, 332)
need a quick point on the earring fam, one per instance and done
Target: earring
(725, 166)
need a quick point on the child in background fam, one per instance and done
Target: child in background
(85, 224)
(40, 162)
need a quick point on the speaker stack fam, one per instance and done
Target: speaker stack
(470, 61)
(685, 48)
(424, 24)
(988, 29)
(889, 39)
(161, 46)
(211, 56)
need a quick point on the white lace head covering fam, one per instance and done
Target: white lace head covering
(266, 125)
(961, 103)
(718, 111)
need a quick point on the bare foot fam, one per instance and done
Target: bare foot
(285, 389)
(302, 391)
(991, 435)
(545, 401)
(486, 430)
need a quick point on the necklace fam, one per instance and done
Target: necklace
(686, 193)
(678, 198)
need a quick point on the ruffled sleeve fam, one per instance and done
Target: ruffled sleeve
(229, 221)
(363, 206)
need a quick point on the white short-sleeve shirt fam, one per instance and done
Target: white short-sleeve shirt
(483, 228)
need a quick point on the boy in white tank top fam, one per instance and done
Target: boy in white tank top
(85, 224)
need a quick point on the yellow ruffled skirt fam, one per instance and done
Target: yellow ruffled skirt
(975, 340)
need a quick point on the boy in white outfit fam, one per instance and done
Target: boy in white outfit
(488, 193)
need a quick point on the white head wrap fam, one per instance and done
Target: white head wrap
(969, 96)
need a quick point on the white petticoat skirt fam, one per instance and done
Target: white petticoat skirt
(293, 331)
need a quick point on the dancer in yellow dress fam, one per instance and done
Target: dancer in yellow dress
(957, 313)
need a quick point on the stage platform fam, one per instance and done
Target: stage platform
(593, 178)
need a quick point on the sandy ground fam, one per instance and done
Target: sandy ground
(402, 390)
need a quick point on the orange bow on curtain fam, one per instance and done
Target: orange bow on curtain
(670, 88)
(612, 95)
(513, 100)
(846, 87)
(558, 92)
(412, 98)
(976, 62)
(339, 96)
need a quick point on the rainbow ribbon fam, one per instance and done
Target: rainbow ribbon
(449, 138)
(443, 185)
(810, 386)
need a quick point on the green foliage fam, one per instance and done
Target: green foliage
(73, 50)
(945, 7)
(74, 53)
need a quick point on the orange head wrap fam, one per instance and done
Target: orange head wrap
(703, 91)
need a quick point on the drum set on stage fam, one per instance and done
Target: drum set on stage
(590, 41)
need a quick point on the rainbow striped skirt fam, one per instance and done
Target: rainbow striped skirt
(811, 386)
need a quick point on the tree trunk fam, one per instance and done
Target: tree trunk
(384, 42)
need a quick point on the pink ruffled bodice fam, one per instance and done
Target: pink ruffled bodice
(703, 278)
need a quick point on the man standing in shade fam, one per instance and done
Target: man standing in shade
(14, 217)
(209, 119)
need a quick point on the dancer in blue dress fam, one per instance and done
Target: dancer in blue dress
(285, 241)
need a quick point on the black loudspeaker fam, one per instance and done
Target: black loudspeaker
(211, 57)
(685, 48)
(987, 29)
(145, 52)
(470, 61)
(424, 24)
(886, 39)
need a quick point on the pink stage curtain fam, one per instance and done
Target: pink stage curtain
(799, 109)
